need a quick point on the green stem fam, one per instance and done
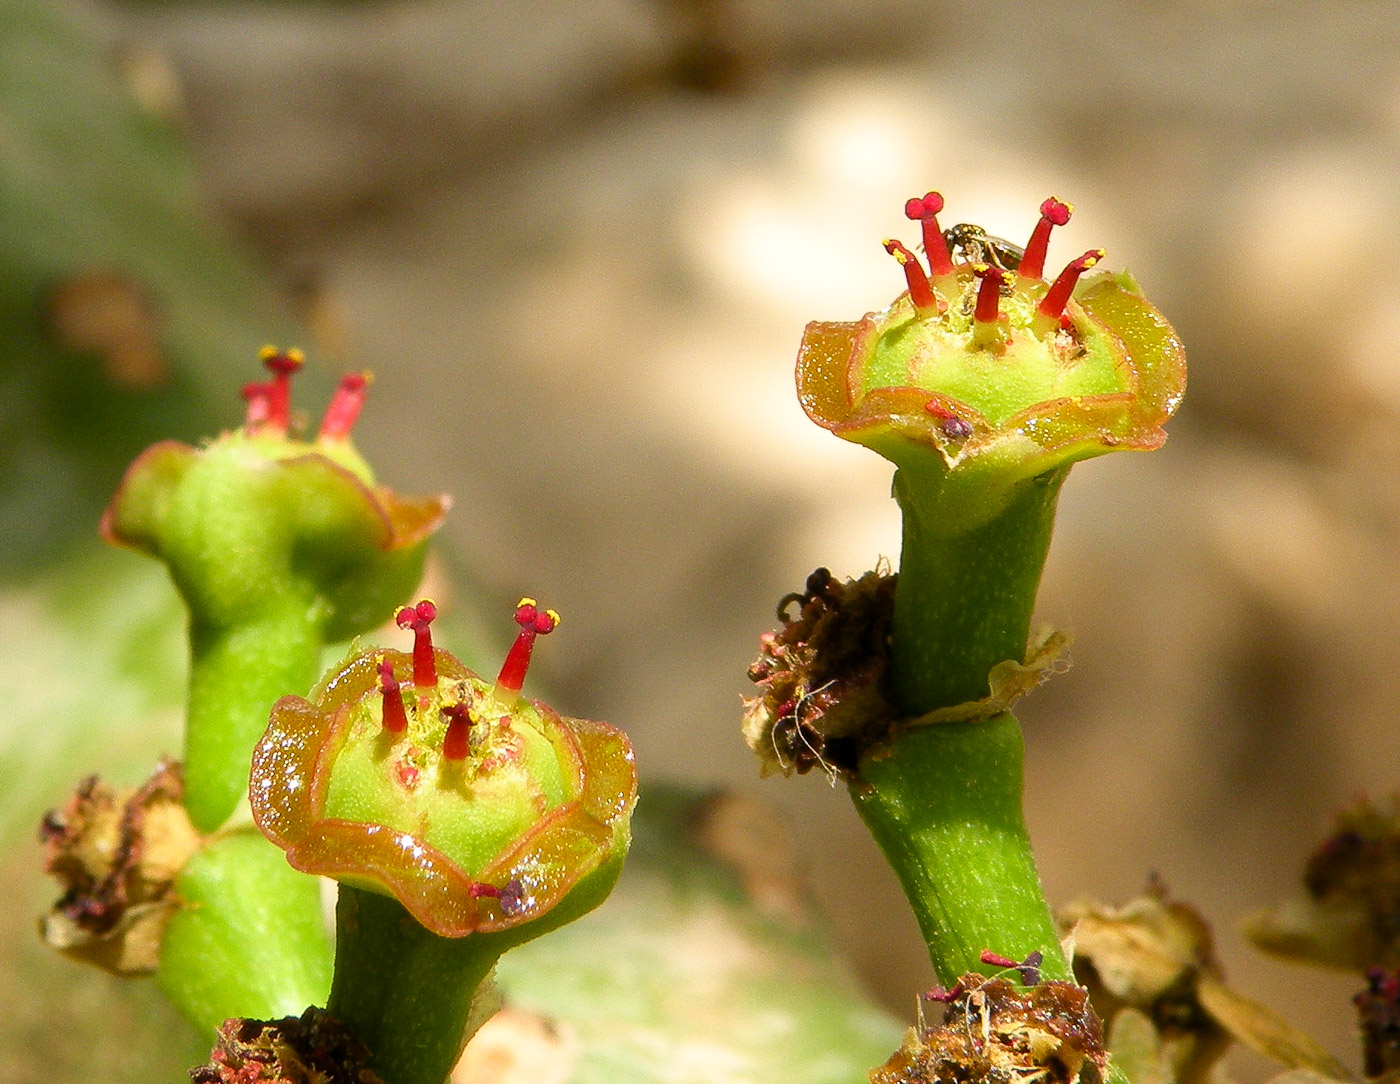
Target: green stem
(247, 938)
(965, 598)
(405, 991)
(944, 801)
(236, 675)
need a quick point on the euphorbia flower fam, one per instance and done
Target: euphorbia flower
(477, 809)
(278, 545)
(993, 375)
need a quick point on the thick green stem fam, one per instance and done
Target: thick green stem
(236, 675)
(965, 598)
(405, 991)
(945, 807)
(247, 938)
(944, 801)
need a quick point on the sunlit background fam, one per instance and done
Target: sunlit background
(577, 243)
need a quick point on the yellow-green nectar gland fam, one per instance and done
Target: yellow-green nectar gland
(967, 317)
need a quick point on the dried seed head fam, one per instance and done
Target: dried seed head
(993, 1032)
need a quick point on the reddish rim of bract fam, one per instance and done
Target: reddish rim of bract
(291, 774)
(1149, 354)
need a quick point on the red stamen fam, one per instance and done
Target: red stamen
(533, 622)
(395, 719)
(282, 364)
(996, 959)
(1052, 213)
(346, 404)
(947, 997)
(988, 293)
(259, 399)
(919, 290)
(419, 618)
(458, 743)
(1052, 305)
(935, 247)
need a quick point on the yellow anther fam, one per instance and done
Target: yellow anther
(296, 355)
(553, 615)
(267, 353)
(526, 601)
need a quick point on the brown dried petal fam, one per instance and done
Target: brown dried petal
(1350, 916)
(1156, 956)
(997, 1032)
(314, 1048)
(822, 676)
(117, 854)
(823, 697)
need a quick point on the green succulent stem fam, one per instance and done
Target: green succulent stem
(247, 939)
(236, 675)
(944, 801)
(407, 992)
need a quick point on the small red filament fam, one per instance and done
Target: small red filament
(346, 404)
(1056, 298)
(458, 743)
(919, 290)
(533, 622)
(988, 293)
(419, 618)
(395, 720)
(947, 997)
(1052, 213)
(926, 211)
(282, 364)
(510, 896)
(259, 399)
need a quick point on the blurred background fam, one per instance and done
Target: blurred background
(577, 243)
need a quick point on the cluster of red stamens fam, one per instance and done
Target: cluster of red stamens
(925, 292)
(270, 403)
(533, 622)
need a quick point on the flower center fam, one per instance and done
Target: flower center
(1000, 341)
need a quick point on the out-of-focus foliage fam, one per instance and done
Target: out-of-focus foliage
(123, 313)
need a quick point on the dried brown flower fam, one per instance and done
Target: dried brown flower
(998, 1032)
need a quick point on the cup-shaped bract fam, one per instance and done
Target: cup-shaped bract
(477, 809)
(986, 374)
(257, 515)
(278, 545)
